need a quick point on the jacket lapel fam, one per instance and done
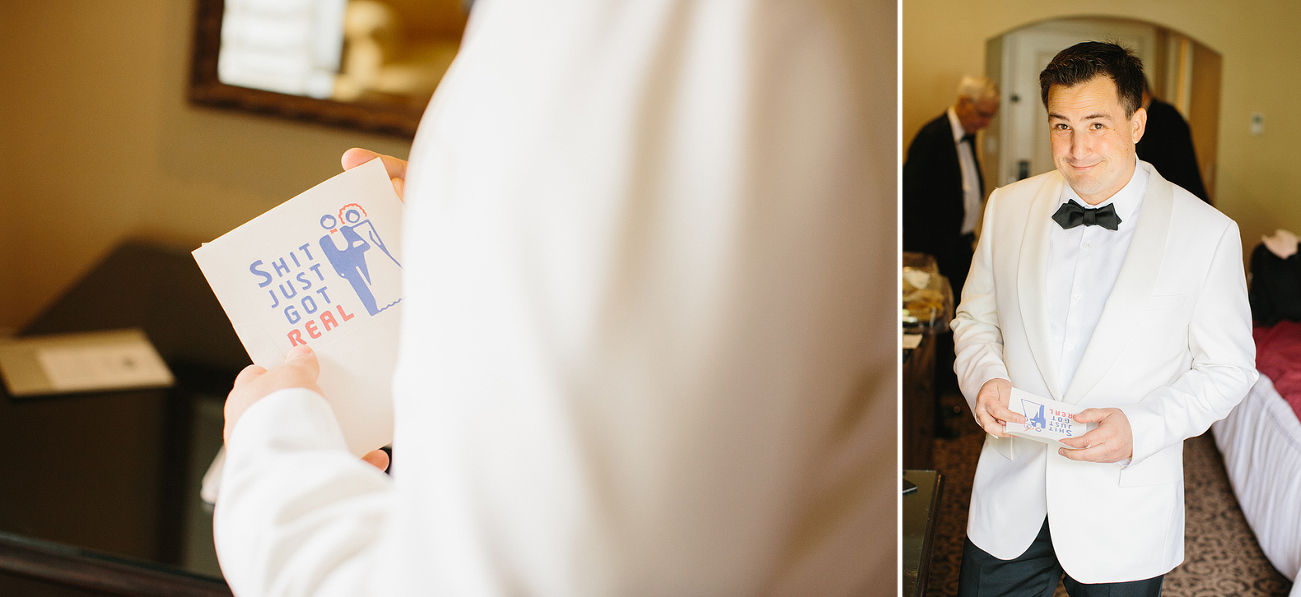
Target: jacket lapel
(1124, 307)
(1032, 284)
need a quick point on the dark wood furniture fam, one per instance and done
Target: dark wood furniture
(99, 490)
(919, 404)
(921, 510)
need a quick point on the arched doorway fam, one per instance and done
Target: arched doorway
(1182, 72)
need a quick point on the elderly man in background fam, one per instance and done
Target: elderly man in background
(943, 197)
(943, 189)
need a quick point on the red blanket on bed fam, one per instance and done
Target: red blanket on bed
(1278, 356)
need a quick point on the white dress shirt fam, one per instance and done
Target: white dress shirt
(1083, 263)
(649, 339)
(972, 194)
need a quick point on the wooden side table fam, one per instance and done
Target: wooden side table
(919, 405)
(921, 510)
(99, 490)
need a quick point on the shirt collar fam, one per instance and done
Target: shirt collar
(955, 125)
(1127, 200)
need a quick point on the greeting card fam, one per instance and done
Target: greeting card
(322, 269)
(1046, 420)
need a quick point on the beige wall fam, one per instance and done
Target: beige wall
(1259, 177)
(98, 144)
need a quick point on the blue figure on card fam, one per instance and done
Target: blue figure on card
(350, 260)
(1034, 419)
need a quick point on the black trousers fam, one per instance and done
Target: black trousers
(1035, 573)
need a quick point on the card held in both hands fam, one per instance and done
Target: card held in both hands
(323, 269)
(1046, 420)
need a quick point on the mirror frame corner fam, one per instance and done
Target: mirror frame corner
(206, 89)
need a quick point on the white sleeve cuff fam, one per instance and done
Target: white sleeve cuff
(293, 419)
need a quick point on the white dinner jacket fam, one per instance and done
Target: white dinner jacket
(648, 342)
(1172, 349)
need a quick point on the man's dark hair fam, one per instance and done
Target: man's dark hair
(1082, 62)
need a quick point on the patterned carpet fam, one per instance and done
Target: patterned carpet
(1221, 556)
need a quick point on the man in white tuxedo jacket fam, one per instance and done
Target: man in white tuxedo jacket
(645, 348)
(1104, 286)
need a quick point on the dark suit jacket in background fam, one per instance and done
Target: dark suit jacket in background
(1167, 144)
(932, 201)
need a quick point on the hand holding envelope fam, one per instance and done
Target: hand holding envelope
(301, 366)
(396, 168)
(322, 269)
(300, 370)
(1046, 420)
(1112, 440)
(1084, 434)
(991, 409)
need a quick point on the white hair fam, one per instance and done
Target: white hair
(977, 88)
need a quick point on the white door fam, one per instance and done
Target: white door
(1023, 148)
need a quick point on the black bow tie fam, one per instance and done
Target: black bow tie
(969, 138)
(1072, 214)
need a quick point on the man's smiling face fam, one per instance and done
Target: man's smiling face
(1092, 138)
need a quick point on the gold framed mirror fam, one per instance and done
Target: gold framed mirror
(368, 65)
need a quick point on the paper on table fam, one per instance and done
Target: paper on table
(1047, 420)
(109, 366)
(323, 269)
(82, 362)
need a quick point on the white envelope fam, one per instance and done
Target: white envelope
(1047, 420)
